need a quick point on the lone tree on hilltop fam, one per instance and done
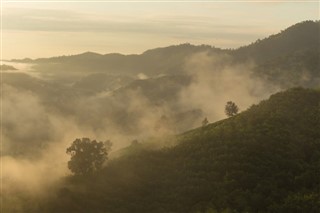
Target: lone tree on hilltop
(205, 122)
(87, 156)
(231, 109)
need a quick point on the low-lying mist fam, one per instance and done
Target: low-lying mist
(216, 80)
(41, 119)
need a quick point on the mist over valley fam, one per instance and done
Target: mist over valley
(152, 107)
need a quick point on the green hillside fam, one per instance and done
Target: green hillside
(266, 159)
(298, 37)
(290, 58)
(296, 68)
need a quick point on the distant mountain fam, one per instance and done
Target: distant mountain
(289, 58)
(283, 59)
(169, 60)
(265, 159)
(50, 93)
(101, 82)
(299, 37)
(303, 36)
(5, 67)
(156, 90)
(298, 68)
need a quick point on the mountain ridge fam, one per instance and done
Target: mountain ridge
(300, 27)
(272, 56)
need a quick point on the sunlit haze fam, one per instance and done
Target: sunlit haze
(45, 29)
(159, 106)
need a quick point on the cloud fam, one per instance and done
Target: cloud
(217, 80)
(49, 32)
(142, 76)
(25, 120)
(70, 21)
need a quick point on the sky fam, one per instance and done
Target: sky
(36, 29)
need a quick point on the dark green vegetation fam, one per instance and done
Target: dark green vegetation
(87, 156)
(231, 109)
(265, 159)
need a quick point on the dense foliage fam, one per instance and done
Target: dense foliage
(266, 159)
(231, 109)
(87, 156)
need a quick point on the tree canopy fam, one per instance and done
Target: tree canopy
(205, 122)
(87, 156)
(231, 109)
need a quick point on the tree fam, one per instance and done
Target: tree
(231, 109)
(87, 156)
(205, 122)
(135, 142)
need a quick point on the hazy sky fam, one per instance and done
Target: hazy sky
(43, 29)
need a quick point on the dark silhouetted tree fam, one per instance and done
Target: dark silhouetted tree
(135, 142)
(205, 122)
(231, 109)
(87, 156)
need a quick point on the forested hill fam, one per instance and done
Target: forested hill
(298, 37)
(290, 58)
(301, 37)
(265, 159)
(298, 45)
